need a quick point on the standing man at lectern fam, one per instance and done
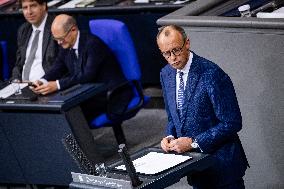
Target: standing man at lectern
(204, 116)
(36, 49)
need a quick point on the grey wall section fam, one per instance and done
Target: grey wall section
(254, 59)
(255, 62)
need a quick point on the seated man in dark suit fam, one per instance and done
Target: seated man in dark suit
(36, 49)
(82, 59)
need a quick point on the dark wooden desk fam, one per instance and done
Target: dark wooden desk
(33, 137)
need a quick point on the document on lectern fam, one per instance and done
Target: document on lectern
(11, 89)
(156, 162)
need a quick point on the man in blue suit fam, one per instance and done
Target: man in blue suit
(203, 112)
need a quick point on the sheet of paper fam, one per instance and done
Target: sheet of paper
(155, 162)
(180, 2)
(141, 1)
(11, 89)
(85, 3)
(280, 10)
(70, 4)
(52, 3)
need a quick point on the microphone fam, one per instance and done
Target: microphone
(129, 165)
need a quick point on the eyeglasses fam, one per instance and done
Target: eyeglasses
(175, 51)
(61, 39)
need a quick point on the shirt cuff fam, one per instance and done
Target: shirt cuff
(195, 145)
(44, 81)
(170, 136)
(58, 85)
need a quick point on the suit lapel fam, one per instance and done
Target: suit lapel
(46, 36)
(171, 88)
(192, 80)
(26, 42)
(82, 40)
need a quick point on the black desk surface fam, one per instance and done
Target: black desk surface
(56, 102)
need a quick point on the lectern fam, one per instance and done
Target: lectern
(120, 180)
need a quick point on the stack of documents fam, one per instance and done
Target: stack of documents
(279, 13)
(155, 162)
(6, 2)
(78, 3)
(141, 1)
(54, 2)
(86, 3)
(11, 89)
(180, 2)
(70, 4)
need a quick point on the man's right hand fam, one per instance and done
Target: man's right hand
(165, 143)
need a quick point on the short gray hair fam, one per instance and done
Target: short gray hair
(166, 30)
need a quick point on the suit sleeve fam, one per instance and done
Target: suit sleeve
(93, 56)
(170, 129)
(59, 68)
(224, 101)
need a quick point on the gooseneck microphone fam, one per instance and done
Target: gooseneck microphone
(129, 165)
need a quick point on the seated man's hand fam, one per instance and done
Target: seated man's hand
(35, 84)
(165, 143)
(180, 145)
(46, 88)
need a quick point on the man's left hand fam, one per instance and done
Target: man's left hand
(46, 88)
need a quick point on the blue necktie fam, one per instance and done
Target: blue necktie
(180, 94)
(75, 61)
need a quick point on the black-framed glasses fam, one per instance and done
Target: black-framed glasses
(175, 51)
(61, 39)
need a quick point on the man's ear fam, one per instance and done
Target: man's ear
(187, 43)
(45, 6)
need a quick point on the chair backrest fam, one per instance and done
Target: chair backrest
(116, 35)
(4, 60)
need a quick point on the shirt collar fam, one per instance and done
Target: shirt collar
(76, 45)
(187, 66)
(41, 26)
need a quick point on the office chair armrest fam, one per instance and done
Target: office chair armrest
(119, 99)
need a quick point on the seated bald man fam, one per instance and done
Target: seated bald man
(82, 58)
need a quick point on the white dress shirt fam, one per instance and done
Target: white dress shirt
(185, 71)
(37, 70)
